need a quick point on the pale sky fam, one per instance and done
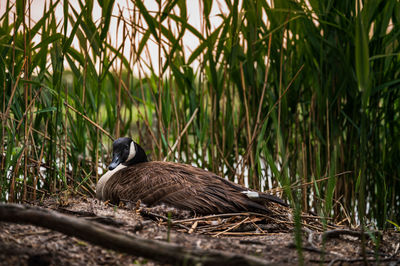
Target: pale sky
(190, 42)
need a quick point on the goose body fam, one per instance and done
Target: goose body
(132, 177)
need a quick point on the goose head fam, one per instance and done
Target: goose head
(126, 152)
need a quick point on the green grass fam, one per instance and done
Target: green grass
(312, 90)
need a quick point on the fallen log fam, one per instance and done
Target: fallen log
(116, 239)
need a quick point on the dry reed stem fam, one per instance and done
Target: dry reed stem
(172, 149)
(89, 120)
(13, 92)
(249, 136)
(229, 221)
(140, 113)
(66, 135)
(257, 124)
(244, 158)
(279, 189)
(232, 227)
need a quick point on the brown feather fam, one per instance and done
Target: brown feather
(179, 185)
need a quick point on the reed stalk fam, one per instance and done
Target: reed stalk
(278, 94)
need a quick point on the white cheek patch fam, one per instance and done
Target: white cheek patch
(132, 151)
(103, 180)
(251, 194)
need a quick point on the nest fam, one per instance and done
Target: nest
(279, 220)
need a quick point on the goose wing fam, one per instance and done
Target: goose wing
(179, 185)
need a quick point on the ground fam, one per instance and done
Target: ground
(271, 239)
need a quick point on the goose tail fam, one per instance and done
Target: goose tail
(264, 197)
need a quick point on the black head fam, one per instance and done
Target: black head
(126, 152)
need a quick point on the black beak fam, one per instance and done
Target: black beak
(115, 162)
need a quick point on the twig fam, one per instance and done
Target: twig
(194, 226)
(216, 216)
(242, 234)
(232, 227)
(315, 217)
(41, 232)
(262, 231)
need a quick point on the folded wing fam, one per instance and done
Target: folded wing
(182, 186)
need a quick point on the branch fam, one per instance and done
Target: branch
(112, 238)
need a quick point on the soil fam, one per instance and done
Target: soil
(267, 238)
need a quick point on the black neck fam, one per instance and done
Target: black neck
(140, 156)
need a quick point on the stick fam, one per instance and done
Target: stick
(232, 227)
(112, 238)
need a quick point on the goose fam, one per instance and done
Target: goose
(132, 177)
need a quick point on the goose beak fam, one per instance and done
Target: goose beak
(115, 162)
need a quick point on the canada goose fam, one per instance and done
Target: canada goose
(131, 177)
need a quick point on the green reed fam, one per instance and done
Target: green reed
(306, 93)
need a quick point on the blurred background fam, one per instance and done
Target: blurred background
(297, 98)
